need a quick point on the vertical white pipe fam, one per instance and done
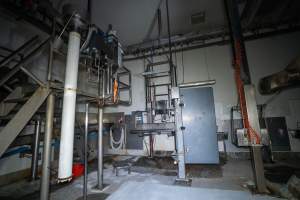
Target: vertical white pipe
(69, 106)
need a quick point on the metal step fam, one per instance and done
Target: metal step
(16, 68)
(17, 100)
(23, 116)
(5, 107)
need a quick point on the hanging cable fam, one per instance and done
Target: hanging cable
(206, 65)
(182, 64)
(117, 145)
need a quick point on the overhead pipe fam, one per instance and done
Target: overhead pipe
(197, 84)
(69, 106)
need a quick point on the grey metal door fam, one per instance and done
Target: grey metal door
(199, 120)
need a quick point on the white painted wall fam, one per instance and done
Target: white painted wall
(266, 56)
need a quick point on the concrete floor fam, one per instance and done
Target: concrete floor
(151, 191)
(236, 175)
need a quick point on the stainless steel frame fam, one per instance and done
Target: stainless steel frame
(46, 167)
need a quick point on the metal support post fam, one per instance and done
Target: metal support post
(257, 162)
(45, 180)
(86, 131)
(100, 148)
(246, 92)
(179, 141)
(151, 153)
(35, 150)
(172, 67)
(181, 177)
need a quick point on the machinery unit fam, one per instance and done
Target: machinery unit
(241, 138)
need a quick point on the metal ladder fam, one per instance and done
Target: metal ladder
(164, 79)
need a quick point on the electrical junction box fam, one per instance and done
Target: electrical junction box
(242, 137)
(175, 93)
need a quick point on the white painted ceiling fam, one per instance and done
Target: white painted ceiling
(132, 18)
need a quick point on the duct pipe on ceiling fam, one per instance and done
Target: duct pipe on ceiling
(285, 79)
(69, 106)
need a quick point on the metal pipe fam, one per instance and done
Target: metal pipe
(86, 130)
(69, 106)
(169, 31)
(110, 79)
(172, 67)
(221, 40)
(107, 93)
(45, 180)
(197, 84)
(100, 132)
(100, 148)
(35, 150)
(16, 52)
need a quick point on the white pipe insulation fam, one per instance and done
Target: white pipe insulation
(69, 106)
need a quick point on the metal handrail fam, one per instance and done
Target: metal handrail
(16, 52)
(18, 66)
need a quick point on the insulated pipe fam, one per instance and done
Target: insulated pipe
(69, 106)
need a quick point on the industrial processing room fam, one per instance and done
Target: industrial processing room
(149, 100)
